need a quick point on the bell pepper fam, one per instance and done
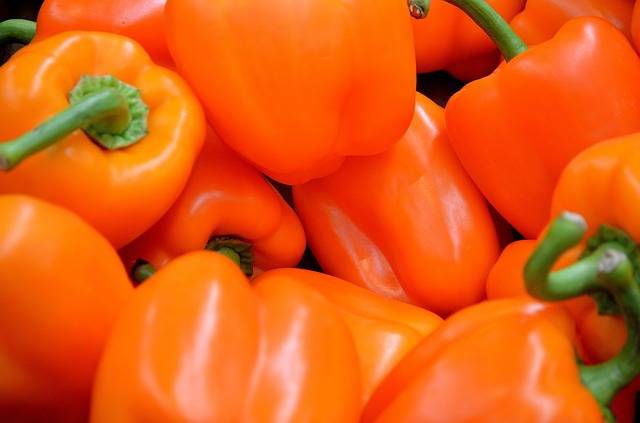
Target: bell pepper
(541, 19)
(294, 88)
(447, 39)
(141, 20)
(384, 330)
(282, 350)
(142, 129)
(407, 224)
(635, 25)
(515, 130)
(61, 289)
(513, 360)
(226, 206)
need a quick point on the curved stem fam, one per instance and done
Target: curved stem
(17, 30)
(508, 42)
(104, 104)
(607, 269)
(141, 271)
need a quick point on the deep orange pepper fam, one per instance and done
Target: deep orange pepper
(541, 19)
(61, 289)
(141, 20)
(513, 360)
(635, 25)
(384, 330)
(294, 88)
(121, 192)
(224, 197)
(447, 39)
(285, 353)
(408, 224)
(515, 130)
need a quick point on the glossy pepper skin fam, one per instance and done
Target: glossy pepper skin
(141, 20)
(297, 105)
(407, 224)
(516, 129)
(541, 19)
(635, 25)
(223, 197)
(479, 366)
(384, 330)
(447, 39)
(61, 289)
(198, 343)
(119, 192)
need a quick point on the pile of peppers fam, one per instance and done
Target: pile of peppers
(244, 211)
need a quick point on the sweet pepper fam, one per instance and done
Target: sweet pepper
(142, 129)
(61, 289)
(513, 360)
(141, 20)
(294, 88)
(226, 205)
(447, 39)
(408, 224)
(541, 19)
(515, 130)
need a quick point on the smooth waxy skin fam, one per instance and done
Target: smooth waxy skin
(515, 130)
(541, 19)
(122, 192)
(447, 39)
(293, 87)
(408, 224)
(198, 344)
(141, 20)
(224, 196)
(61, 289)
(384, 330)
(509, 360)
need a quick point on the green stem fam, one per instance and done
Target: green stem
(110, 111)
(508, 42)
(239, 251)
(17, 30)
(607, 269)
(141, 271)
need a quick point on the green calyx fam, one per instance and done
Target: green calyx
(123, 126)
(17, 30)
(418, 8)
(608, 234)
(238, 251)
(606, 268)
(141, 271)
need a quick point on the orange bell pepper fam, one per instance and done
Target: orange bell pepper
(541, 19)
(384, 330)
(226, 205)
(635, 25)
(408, 224)
(515, 130)
(447, 39)
(513, 360)
(148, 125)
(141, 20)
(286, 354)
(294, 88)
(61, 289)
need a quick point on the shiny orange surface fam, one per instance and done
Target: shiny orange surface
(198, 343)
(224, 196)
(61, 287)
(296, 87)
(515, 130)
(541, 19)
(408, 224)
(142, 20)
(509, 360)
(447, 39)
(384, 330)
(122, 192)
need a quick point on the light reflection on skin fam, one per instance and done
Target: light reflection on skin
(19, 227)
